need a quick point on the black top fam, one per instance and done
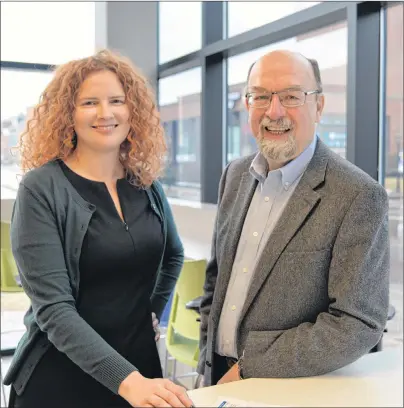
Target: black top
(119, 260)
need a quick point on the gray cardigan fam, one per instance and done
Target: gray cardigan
(49, 222)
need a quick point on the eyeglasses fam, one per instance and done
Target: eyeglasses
(289, 98)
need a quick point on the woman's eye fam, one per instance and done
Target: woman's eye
(118, 101)
(89, 103)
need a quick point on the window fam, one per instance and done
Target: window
(180, 109)
(46, 32)
(180, 29)
(20, 91)
(329, 48)
(244, 16)
(393, 145)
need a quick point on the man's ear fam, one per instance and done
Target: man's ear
(320, 107)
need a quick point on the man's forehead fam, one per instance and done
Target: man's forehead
(270, 82)
(290, 87)
(280, 74)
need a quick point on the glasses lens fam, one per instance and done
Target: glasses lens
(291, 98)
(258, 99)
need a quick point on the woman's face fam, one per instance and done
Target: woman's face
(101, 117)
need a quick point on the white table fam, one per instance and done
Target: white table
(375, 380)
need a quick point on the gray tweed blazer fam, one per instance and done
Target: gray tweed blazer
(319, 297)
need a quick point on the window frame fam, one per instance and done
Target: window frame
(363, 25)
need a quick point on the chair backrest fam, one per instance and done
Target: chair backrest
(10, 281)
(189, 286)
(5, 235)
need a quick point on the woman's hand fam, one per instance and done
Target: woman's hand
(140, 391)
(156, 327)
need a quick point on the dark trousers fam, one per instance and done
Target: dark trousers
(11, 401)
(221, 365)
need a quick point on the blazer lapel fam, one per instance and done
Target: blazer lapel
(300, 204)
(238, 214)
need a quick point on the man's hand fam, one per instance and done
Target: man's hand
(156, 326)
(230, 376)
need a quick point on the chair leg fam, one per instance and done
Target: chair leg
(165, 373)
(174, 370)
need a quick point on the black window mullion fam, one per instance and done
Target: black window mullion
(363, 86)
(212, 100)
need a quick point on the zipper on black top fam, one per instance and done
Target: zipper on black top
(126, 226)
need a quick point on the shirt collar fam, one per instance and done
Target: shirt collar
(259, 167)
(290, 172)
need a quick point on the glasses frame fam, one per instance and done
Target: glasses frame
(248, 94)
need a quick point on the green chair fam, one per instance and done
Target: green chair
(182, 337)
(9, 272)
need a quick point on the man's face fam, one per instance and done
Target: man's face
(283, 132)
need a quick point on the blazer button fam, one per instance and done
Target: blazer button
(208, 363)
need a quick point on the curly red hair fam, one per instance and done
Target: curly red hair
(49, 132)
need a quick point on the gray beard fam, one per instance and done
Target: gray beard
(277, 151)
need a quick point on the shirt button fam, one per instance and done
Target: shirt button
(233, 307)
(255, 234)
(245, 270)
(287, 184)
(266, 199)
(227, 342)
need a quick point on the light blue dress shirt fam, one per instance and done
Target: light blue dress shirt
(273, 192)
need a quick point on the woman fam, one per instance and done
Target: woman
(95, 243)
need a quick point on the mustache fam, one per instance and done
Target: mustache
(281, 123)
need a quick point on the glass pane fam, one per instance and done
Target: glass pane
(180, 29)
(47, 32)
(393, 163)
(244, 16)
(329, 47)
(180, 107)
(20, 91)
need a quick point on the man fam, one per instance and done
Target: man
(298, 280)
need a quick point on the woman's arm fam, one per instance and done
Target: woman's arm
(173, 260)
